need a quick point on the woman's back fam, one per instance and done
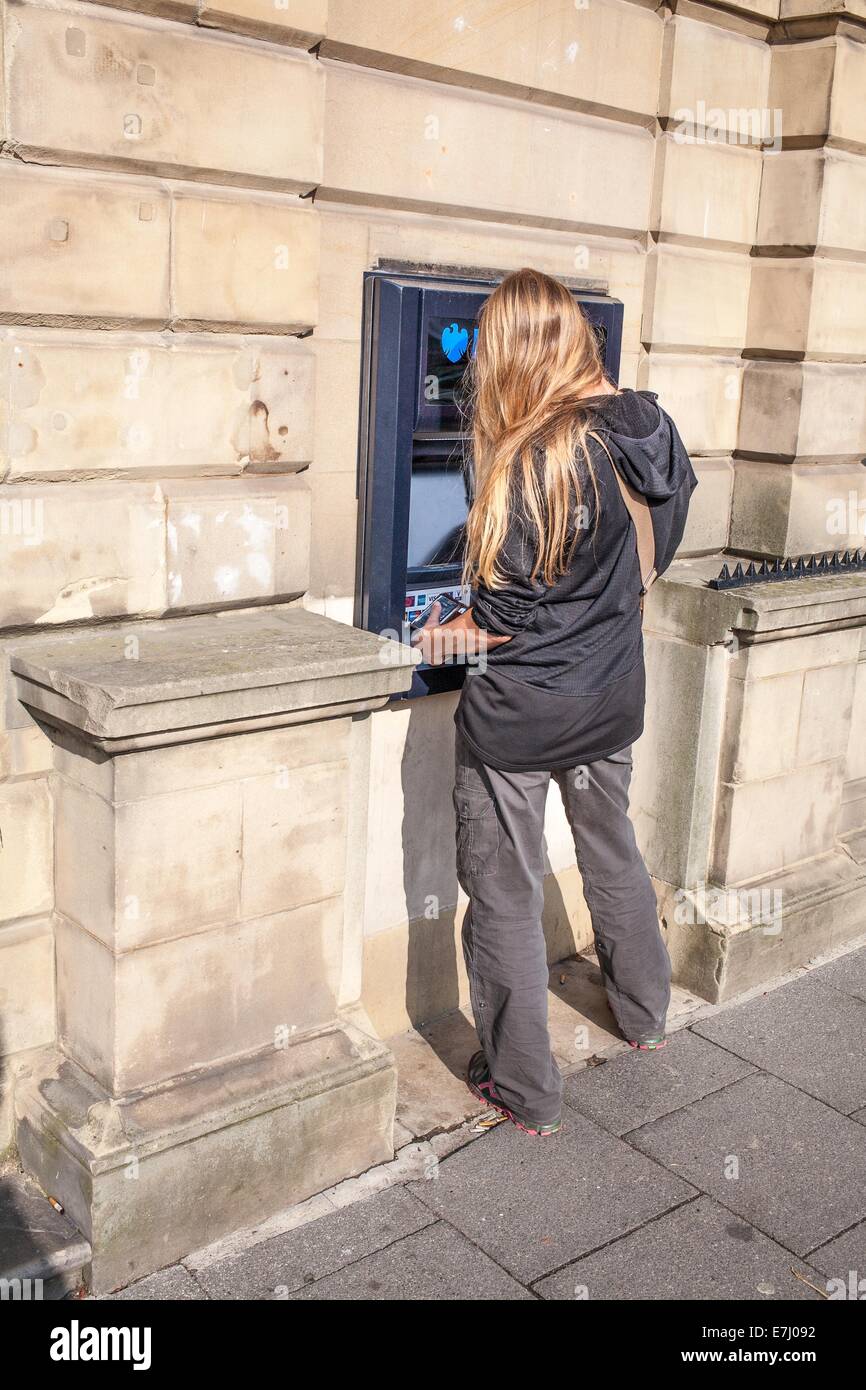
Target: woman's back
(580, 637)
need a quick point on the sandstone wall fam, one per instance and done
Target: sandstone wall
(189, 195)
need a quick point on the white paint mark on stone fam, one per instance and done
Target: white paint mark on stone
(226, 579)
(259, 567)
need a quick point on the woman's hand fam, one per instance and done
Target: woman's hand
(459, 639)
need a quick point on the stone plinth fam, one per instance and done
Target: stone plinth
(213, 1065)
(748, 761)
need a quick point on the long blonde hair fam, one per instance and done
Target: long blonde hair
(535, 357)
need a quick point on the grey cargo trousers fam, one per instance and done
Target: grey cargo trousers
(500, 865)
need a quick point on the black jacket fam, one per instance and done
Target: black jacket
(583, 633)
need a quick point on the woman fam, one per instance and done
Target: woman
(558, 686)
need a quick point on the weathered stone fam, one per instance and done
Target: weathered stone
(819, 89)
(701, 393)
(406, 145)
(812, 306)
(713, 79)
(707, 192)
(128, 684)
(26, 985)
(133, 405)
(813, 198)
(178, 1004)
(244, 264)
(26, 884)
(561, 53)
(797, 509)
(271, 1118)
(245, 539)
(809, 411)
(81, 550)
(81, 249)
(710, 509)
(151, 107)
(696, 299)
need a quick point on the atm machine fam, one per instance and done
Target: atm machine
(414, 469)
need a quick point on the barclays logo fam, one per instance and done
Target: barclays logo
(455, 341)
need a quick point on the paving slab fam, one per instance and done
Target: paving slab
(699, 1251)
(847, 973)
(807, 1032)
(630, 1090)
(434, 1265)
(287, 1262)
(534, 1204)
(173, 1284)
(799, 1164)
(845, 1255)
(432, 1094)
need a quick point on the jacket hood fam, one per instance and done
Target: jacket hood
(645, 442)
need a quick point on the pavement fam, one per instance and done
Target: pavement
(730, 1165)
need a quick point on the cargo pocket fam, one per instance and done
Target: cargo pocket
(477, 836)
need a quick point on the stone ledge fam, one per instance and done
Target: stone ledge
(682, 605)
(138, 684)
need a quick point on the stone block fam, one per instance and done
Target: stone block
(246, 264)
(241, 539)
(765, 826)
(338, 373)
(203, 763)
(334, 521)
(701, 393)
(551, 51)
(151, 106)
(761, 727)
(855, 767)
(137, 405)
(819, 88)
(710, 509)
(131, 878)
(281, 409)
(27, 881)
(797, 509)
(404, 144)
(814, 307)
(809, 411)
(825, 714)
(293, 1122)
(696, 299)
(294, 838)
(82, 550)
(707, 192)
(81, 249)
(114, 404)
(780, 301)
(713, 78)
(26, 986)
(814, 198)
(139, 1017)
(24, 752)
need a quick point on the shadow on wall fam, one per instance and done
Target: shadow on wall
(435, 973)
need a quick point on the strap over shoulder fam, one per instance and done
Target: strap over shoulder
(638, 510)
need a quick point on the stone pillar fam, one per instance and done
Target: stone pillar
(739, 787)
(213, 1065)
